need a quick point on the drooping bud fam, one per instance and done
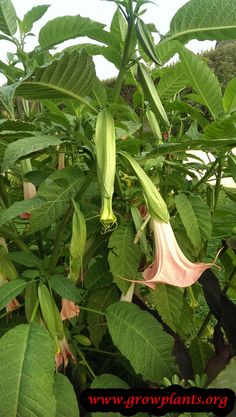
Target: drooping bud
(156, 205)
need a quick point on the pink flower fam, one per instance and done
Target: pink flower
(69, 309)
(170, 265)
(29, 192)
(64, 353)
(13, 305)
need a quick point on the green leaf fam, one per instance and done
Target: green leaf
(172, 81)
(98, 275)
(10, 290)
(71, 76)
(203, 216)
(108, 381)
(229, 99)
(55, 193)
(232, 165)
(189, 220)
(202, 79)
(99, 300)
(168, 301)
(25, 258)
(204, 20)
(141, 339)
(8, 19)
(25, 147)
(33, 16)
(226, 378)
(124, 255)
(27, 372)
(119, 26)
(65, 288)
(64, 28)
(66, 402)
(17, 208)
(200, 353)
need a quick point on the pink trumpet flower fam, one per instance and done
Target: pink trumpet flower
(69, 309)
(64, 353)
(170, 265)
(29, 192)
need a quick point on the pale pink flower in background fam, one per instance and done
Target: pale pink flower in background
(170, 265)
(69, 309)
(13, 305)
(64, 353)
(61, 161)
(29, 192)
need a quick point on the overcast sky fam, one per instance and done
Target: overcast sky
(159, 13)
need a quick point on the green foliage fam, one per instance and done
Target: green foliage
(168, 301)
(66, 402)
(131, 328)
(10, 290)
(8, 19)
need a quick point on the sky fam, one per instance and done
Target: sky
(102, 11)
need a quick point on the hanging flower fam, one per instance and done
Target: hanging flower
(129, 295)
(69, 309)
(170, 265)
(64, 353)
(61, 161)
(13, 305)
(29, 192)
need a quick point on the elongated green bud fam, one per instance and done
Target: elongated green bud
(146, 41)
(154, 125)
(106, 164)
(47, 309)
(150, 91)
(156, 205)
(78, 240)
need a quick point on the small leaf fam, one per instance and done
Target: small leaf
(124, 255)
(65, 288)
(10, 290)
(99, 300)
(169, 303)
(27, 355)
(33, 16)
(141, 339)
(8, 19)
(229, 99)
(26, 146)
(200, 353)
(172, 81)
(232, 165)
(189, 220)
(66, 402)
(25, 258)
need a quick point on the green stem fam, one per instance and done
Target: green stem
(34, 311)
(206, 175)
(99, 351)
(10, 312)
(16, 239)
(91, 310)
(218, 182)
(125, 57)
(85, 362)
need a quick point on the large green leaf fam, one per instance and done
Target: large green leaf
(26, 146)
(8, 19)
(17, 208)
(63, 28)
(202, 79)
(229, 99)
(33, 16)
(141, 339)
(172, 81)
(169, 303)
(10, 290)
(55, 193)
(65, 288)
(66, 402)
(27, 372)
(189, 220)
(124, 255)
(71, 76)
(203, 216)
(99, 300)
(226, 379)
(204, 19)
(200, 353)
